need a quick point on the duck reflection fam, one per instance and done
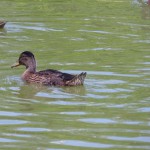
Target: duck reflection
(32, 91)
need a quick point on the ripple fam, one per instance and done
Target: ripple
(8, 113)
(129, 122)
(117, 105)
(96, 96)
(98, 120)
(142, 41)
(70, 64)
(12, 122)
(8, 140)
(140, 85)
(106, 73)
(95, 31)
(144, 69)
(111, 74)
(17, 135)
(54, 95)
(111, 90)
(136, 139)
(60, 102)
(73, 113)
(145, 63)
(132, 24)
(29, 129)
(34, 26)
(75, 38)
(98, 49)
(144, 109)
(3, 89)
(99, 83)
(79, 143)
(112, 81)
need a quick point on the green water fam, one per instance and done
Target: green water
(110, 40)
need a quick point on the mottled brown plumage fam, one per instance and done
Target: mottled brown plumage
(2, 24)
(46, 77)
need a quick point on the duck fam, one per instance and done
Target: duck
(2, 24)
(49, 77)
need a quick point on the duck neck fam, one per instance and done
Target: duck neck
(31, 67)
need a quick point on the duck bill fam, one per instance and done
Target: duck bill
(15, 65)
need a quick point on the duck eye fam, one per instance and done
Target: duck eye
(23, 59)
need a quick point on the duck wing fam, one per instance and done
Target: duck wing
(54, 77)
(57, 74)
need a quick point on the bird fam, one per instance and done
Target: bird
(2, 24)
(49, 77)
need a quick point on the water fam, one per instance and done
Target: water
(110, 41)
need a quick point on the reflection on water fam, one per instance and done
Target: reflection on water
(111, 110)
(30, 91)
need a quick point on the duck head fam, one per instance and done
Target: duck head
(26, 59)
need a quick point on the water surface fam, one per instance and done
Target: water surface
(110, 41)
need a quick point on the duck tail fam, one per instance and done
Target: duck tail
(77, 80)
